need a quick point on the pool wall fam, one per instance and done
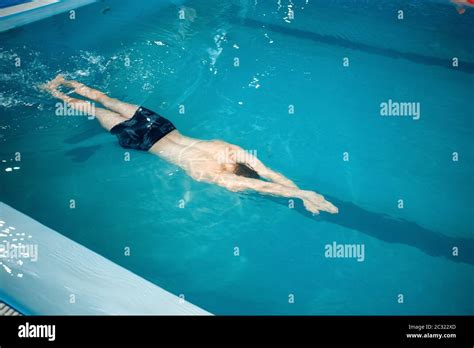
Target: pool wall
(61, 277)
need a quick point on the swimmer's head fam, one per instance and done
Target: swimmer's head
(245, 170)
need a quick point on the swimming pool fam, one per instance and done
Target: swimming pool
(291, 99)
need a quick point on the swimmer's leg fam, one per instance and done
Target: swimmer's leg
(124, 109)
(108, 119)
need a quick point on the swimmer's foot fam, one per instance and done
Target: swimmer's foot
(53, 85)
(72, 84)
(315, 203)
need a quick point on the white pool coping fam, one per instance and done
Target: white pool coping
(70, 279)
(11, 10)
(22, 14)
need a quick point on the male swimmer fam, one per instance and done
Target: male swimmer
(211, 161)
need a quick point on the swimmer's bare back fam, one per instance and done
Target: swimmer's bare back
(210, 161)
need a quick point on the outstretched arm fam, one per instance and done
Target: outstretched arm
(261, 169)
(270, 174)
(311, 200)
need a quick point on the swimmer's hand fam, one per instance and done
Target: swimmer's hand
(315, 203)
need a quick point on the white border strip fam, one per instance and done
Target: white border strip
(7, 11)
(21, 14)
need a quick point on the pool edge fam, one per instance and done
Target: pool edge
(21, 18)
(65, 269)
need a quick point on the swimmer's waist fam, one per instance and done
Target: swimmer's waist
(143, 130)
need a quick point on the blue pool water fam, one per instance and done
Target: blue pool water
(146, 54)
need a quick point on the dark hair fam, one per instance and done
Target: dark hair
(244, 169)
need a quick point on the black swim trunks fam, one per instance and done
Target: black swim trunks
(143, 130)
